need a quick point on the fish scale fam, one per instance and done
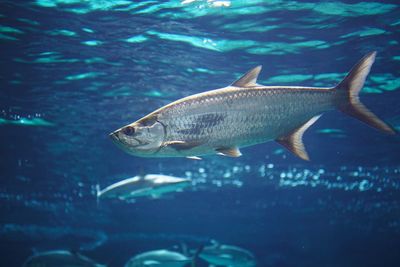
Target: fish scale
(253, 116)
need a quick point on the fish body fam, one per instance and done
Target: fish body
(227, 255)
(236, 118)
(149, 185)
(158, 258)
(60, 258)
(243, 114)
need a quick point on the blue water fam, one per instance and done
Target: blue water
(74, 71)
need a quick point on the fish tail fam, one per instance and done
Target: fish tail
(196, 255)
(347, 93)
(97, 194)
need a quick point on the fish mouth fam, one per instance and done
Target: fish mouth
(114, 136)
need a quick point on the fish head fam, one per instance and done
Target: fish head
(143, 137)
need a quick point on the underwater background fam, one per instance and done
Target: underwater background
(74, 71)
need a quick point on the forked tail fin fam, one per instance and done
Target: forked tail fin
(347, 95)
(196, 255)
(98, 194)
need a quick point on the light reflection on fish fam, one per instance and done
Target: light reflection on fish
(149, 185)
(243, 114)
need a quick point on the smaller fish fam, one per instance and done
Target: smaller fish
(60, 258)
(227, 255)
(149, 185)
(162, 257)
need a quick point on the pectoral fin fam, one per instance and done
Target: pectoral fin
(172, 143)
(229, 152)
(181, 145)
(294, 140)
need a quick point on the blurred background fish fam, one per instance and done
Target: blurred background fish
(60, 258)
(218, 254)
(149, 185)
(162, 257)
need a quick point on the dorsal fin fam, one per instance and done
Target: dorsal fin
(249, 79)
(294, 140)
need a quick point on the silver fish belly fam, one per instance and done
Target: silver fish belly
(243, 114)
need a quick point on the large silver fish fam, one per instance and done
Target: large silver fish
(243, 114)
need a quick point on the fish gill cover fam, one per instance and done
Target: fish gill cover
(72, 71)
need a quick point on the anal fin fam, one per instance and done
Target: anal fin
(229, 152)
(294, 140)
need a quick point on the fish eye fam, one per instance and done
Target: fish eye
(129, 130)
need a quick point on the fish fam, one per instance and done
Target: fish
(60, 258)
(227, 255)
(243, 114)
(162, 257)
(149, 185)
